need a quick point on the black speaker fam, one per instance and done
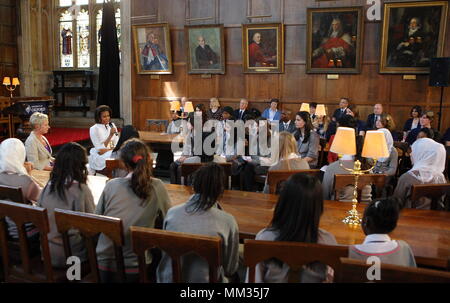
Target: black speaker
(439, 71)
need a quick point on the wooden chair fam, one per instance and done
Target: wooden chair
(188, 169)
(355, 271)
(294, 254)
(176, 245)
(111, 165)
(30, 270)
(341, 181)
(275, 177)
(11, 193)
(90, 226)
(432, 191)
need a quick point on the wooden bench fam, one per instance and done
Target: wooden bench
(355, 271)
(275, 177)
(176, 245)
(343, 180)
(30, 270)
(294, 254)
(433, 191)
(90, 226)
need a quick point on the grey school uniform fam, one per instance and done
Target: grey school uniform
(78, 197)
(399, 252)
(31, 192)
(270, 272)
(388, 167)
(403, 191)
(213, 222)
(118, 200)
(310, 148)
(346, 194)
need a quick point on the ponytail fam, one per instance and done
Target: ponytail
(136, 156)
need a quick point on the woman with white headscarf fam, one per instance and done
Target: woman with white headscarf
(14, 171)
(387, 165)
(428, 159)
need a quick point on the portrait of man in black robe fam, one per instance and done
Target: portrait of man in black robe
(206, 58)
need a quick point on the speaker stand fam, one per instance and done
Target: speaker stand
(440, 108)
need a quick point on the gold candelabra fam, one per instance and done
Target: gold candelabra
(354, 217)
(375, 147)
(11, 86)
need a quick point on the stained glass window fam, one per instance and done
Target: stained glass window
(83, 39)
(65, 2)
(66, 39)
(76, 32)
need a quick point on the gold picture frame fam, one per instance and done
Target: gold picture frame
(263, 48)
(205, 49)
(335, 39)
(152, 48)
(407, 46)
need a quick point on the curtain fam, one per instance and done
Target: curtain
(108, 82)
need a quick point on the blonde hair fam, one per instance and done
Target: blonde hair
(288, 145)
(387, 121)
(214, 101)
(37, 119)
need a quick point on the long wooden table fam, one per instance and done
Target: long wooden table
(426, 231)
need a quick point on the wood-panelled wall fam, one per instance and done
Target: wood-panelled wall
(150, 96)
(8, 42)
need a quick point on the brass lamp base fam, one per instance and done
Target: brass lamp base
(353, 217)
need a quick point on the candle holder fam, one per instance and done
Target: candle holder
(354, 217)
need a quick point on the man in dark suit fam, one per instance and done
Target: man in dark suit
(286, 124)
(241, 112)
(341, 111)
(372, 118)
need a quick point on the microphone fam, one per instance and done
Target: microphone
(111, 125)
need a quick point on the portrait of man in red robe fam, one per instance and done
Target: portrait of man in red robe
(336, 49)
(259, 54)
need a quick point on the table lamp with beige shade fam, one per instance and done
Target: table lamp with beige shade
(304, 107)
(321, 110)
(374, 147)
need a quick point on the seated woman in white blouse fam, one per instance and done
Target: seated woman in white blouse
(104, 137)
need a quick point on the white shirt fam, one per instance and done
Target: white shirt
(99, 133)
(377, 244)
(286, 124)
(272, 114)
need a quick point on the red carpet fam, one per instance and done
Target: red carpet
(60, 135)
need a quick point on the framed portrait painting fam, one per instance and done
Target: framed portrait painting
(334, 40)
(263, 48)
(152, 48)
(205, 49)
(413, 33)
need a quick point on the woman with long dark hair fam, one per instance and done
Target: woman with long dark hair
(296, 219)
(202, 215)
(67, 189)
(138, 199)
(128, 132)
(307, 139)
